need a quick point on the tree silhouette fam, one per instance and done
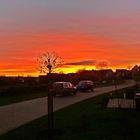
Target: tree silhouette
(102, 65)
(49, 62)
(136, 73)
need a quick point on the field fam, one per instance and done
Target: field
(15, 94)
(18, 93)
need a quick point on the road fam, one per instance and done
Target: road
(15, 115)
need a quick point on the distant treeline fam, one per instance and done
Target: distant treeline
(94, 75)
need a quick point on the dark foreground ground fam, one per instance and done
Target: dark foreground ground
(87, 120)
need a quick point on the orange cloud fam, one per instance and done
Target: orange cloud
(19, 54)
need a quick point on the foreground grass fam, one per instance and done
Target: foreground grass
(87, 120)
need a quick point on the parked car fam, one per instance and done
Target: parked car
(64, 88)
(85, 85)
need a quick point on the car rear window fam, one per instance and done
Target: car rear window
(82, 83)
(66, 85)
(58, 85)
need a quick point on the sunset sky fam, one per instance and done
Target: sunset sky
(82, 32)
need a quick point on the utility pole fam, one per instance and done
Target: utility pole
(50, 111)
(50, 102)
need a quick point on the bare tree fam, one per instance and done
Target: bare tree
(102, 65)
(136, 74)
(49, 62)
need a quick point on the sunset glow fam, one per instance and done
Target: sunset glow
(82, 32)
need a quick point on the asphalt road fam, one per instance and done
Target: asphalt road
(15, 115)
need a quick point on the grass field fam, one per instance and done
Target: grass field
(18, 93)
(87, 120)
(22, 93)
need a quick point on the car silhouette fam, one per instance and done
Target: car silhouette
(85, 85)
(64, 88)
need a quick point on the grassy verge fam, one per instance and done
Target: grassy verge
(21, 93)
(18, 93)
(87, 120)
